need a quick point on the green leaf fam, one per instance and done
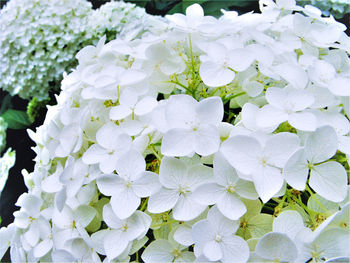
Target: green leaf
(213, 8)
(176, 9)
(5, 103)
(16, 119)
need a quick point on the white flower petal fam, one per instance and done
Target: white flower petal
(162, 201)
(212, 250)
(145, 105)
(268, 181)
(120, 112)
(241, 152)
(195, 11)
(246, 189)
(130, 165)
(329, 180)
(210, 110)
(304, 121)
(215, 75)
(231, 207)
(202, 233)
(234, 247)
(42, 248)
(275, 246)
(183, 235)
(240, 59)
(293, 74)
(147, 184)
(340, 86)
(296, 170)
(207, 140)
(110, 184)
(280, 147)
(110, 217)
(224, 173)
(269, 116)
(208, 194)
(180, 110)
(94, 154)
(114, 244)
(321, 145)
(125, 203)
(172, 172)
(158, 251)
(289, 222)
(220, 224)
(178, 142)
(187, 208)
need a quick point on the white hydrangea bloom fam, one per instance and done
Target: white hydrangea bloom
(38, 42)
(146, 147)
(40, 39)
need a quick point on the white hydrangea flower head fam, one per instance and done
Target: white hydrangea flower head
(38, 42)
(117, 17)
(158, 149)
(39, 39)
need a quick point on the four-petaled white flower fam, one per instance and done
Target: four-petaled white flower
(179, 179)
(262, 159)
(214, 238)
(226, 191)
(327, 178)
(129, 185)
(192, 126)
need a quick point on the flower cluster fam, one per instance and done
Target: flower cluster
(219, 140)
(3, 127)
(337, 8)
(8, 158)
(39, 40)
(117, 17)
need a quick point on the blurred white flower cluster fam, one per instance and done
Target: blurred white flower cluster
(7, 160)
(218, 140)
(117, 17)
(39, 39)
(3, 127)
(337, 8)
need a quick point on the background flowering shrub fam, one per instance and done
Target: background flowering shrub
(337, 8)
(207, 140)
(40, 39)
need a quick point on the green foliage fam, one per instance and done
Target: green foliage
(16, 119)
(34, 107)
(212, 7)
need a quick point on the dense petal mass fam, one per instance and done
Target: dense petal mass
(186, 139)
